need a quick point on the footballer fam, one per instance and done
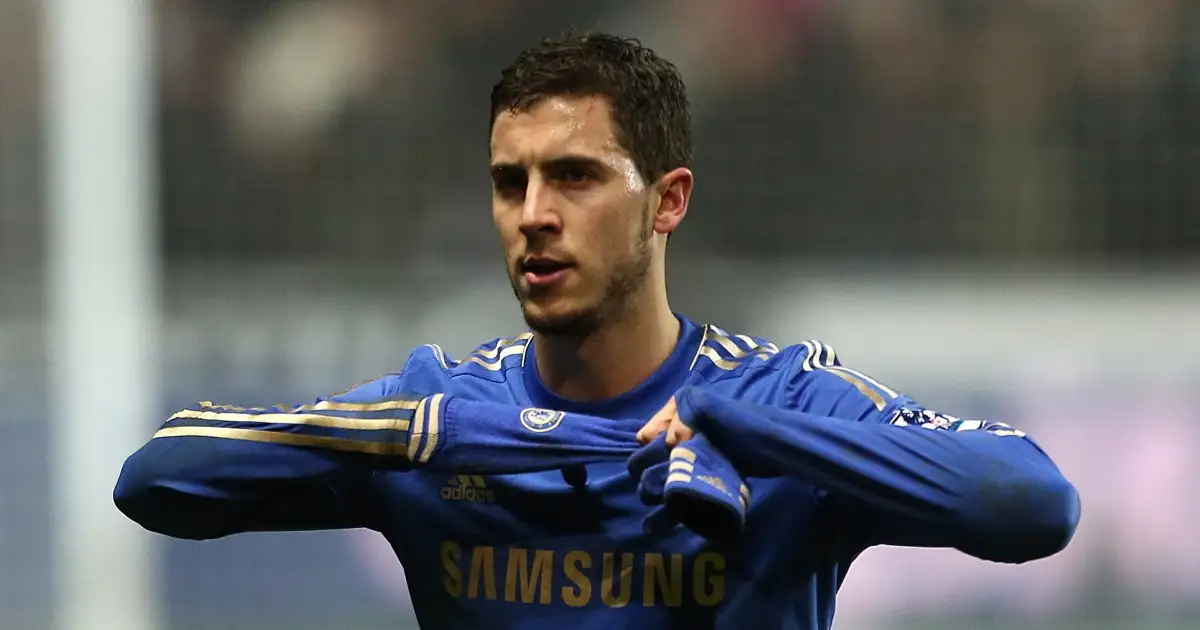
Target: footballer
(618, 465)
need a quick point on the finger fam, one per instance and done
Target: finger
(678, 433)
(658, 423)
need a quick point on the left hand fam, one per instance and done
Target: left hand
(667, 421)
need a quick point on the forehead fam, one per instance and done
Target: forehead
(555, 126)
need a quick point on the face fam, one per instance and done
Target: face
(576, 219)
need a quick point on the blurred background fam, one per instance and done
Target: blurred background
(994, 206)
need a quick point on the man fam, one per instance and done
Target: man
(522, 487)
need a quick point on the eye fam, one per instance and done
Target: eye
(508, 183)
(575, 175)
(572, 172)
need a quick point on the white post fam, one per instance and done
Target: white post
(102, 280)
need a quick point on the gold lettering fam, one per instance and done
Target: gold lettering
(656, 579)
(621, 598)
(529, 579)
(530, 575)
(573, 565)
(709, 579)
(483, 564)
(452, 580)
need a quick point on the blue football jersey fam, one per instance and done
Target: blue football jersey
(531, 551)
(549, 549)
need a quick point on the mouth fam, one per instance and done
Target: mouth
(541, 271)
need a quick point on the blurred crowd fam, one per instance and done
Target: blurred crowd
(356, 129)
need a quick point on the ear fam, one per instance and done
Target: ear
(676, 187)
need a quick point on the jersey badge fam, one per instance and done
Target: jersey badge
(541, 420)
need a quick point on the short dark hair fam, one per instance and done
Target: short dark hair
(650, 112)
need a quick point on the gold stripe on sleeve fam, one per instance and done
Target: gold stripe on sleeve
(685, 454)
(312, 420)
(418, 429)
(432, 427)
(679, 477)
(862, 387)
(286, 439)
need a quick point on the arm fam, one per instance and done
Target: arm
(981, 488)
(209, 472)
(213, 470)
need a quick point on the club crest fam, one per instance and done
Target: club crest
(541, 420)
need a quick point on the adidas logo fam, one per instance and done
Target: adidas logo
(715, 482)
(469, 488)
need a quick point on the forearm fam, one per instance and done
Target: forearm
(202, 488)
(995, 497)
(438, 432)
(215, 470)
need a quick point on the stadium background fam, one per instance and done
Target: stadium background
(993, 206)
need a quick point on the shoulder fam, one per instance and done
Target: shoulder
(489, 360)
(723, 355)
(819, 382)
(429, 368)
(808, 375)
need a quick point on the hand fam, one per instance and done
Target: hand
(666, 421)
(742, 430)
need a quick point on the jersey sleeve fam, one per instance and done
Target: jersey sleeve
(215, 470)
(899, 473)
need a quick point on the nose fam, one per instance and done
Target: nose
(540, 212)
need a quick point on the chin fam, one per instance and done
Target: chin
(560, 318)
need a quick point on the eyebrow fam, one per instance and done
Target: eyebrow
(503, 168)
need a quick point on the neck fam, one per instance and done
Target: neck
(613, 359)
